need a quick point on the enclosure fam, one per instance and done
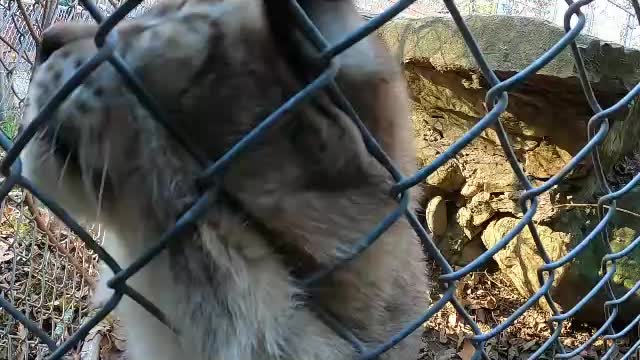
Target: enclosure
(528, 155)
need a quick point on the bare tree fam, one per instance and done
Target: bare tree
(50, 8)
(630, 24)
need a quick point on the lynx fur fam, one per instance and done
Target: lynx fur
(307, 189)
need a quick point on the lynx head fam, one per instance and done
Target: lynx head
(216, 73)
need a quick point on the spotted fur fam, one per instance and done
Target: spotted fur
(309, 187)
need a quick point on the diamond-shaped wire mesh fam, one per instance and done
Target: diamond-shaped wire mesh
(51, 331)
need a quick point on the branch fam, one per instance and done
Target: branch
(28, 199)
(91, 347)
(621, 7)
(49, 13)
(27, 21)
(625, 211)
(45, 9)
(114, 4)
(24, 56)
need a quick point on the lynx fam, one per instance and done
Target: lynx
(307, 191)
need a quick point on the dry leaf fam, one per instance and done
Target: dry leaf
(488, 303)
(513, 353)
(22, 331)
(23, 351)
(491, 303)
(443, 337)
(481, 316)
(447, 354)
(453, 319)
(467, 350)
(460, 340)
(5, 253)
(529, 345)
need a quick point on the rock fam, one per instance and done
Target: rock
(481, 209)
(545, 161)
(520, 259)
(448, 177)
(491, 174)
(470, 189)
(478, 210)
(471, 251)
(436, 216)
(458, 247)
(545, 121)
(425, 150)
(548, 107)
(537, 107)
(452, 242)
(627, 268)
(506, 203)
(464, 218)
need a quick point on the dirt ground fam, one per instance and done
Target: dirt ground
(490, 299)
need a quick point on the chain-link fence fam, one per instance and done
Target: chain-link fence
(16, 30)
(46, 271)
(20, 24)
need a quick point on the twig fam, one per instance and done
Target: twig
(628, 212)
(113, 3)
(24, 56)
(49, 13)
(54, 242)
(45, 9)
(27, 21)
(490, 279)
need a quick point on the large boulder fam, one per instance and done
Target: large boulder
(546, 122)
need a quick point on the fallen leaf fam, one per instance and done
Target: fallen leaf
(22, 331)
(5, 254)
(24, 346)
(453, 319)
(481, 316)
(460, 340)
(467, 350)
(513, 353)
(491, 303)
(529, 345)
(443, 337)
(446, 354)
(488, 303)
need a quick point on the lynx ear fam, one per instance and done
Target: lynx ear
(59, 34)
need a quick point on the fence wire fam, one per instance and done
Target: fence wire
(46, 271)
(496, 102)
